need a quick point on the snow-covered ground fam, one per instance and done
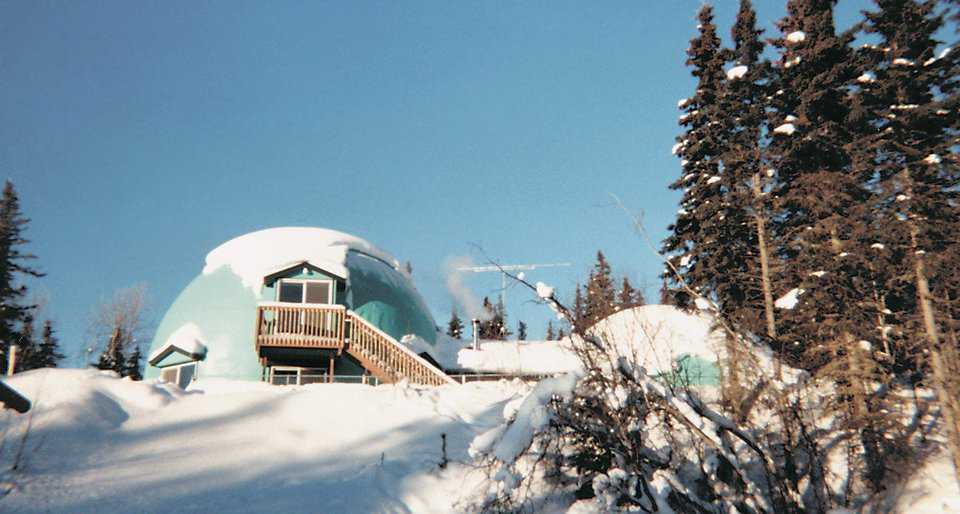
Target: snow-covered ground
(102, 444)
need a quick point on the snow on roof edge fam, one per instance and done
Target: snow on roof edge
(254, 255)
(187, 339)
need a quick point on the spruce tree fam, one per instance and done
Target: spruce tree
(49, 355)
(626, 298)
(694, 243)
(499, 321)
(639, 298)
(579, 309)
(906, 136)
(132, 365)
(521, 331)
(495, 326)
(27, 346)
(823, 220)
(549, 335)
(600, 300)
(455, 326)
(743, 288)
(13, 265)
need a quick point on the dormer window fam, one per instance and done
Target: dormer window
(305, 291)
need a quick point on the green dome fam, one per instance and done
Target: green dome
(219, 307)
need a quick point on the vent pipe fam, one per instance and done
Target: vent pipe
(476, 334)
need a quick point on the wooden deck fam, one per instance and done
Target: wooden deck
(335, 327)
(301, 326)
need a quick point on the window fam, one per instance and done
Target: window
(292, 375)
(181, 374)
(305, 291)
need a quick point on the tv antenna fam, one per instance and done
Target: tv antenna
(509, 267)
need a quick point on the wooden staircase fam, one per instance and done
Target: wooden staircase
(389, 360)
(334, 327)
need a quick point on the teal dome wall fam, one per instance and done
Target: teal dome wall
(224, 309)
(386, 298)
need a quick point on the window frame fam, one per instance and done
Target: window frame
(299, 370)
(178, 368)
(331, 287)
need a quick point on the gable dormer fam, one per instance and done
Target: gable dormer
(304, 282)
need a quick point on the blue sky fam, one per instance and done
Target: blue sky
(141, 135)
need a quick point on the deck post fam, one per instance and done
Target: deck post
(330, 378)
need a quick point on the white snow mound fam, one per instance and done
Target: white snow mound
(656, 335)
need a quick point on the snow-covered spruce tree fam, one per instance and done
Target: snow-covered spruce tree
(824, 222)
(601, 299)
(455, 325)
(694, 245)
(549, 335)
(746, 298)
(14, 265)
(908, 101)
(819, 200)
(521, 330)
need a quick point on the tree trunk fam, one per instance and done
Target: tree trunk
(758, 214)
(941, 371)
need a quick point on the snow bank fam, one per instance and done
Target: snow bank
(257, 254)
(932, 490)
(519, 357)
(507, 442)
(108, 445)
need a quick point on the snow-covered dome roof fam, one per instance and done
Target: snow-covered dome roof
(660, 334)
(257, 254)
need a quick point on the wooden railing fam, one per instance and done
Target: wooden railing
(325, 326)
(312, 326)
(379, 352)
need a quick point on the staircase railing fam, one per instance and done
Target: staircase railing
(369, 343)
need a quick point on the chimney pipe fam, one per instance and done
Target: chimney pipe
(476, 334)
